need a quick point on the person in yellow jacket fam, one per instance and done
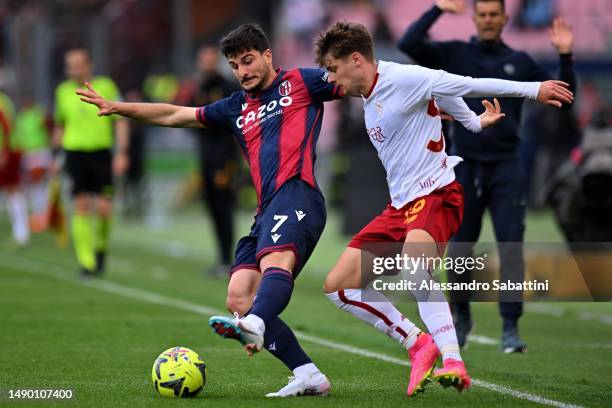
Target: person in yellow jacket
(33, 137)
(10, 172)
(90, 161)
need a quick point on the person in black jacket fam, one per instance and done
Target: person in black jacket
(218, 157)
(491, 174)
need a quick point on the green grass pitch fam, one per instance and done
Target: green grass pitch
(100, 338)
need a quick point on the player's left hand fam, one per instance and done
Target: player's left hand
(121, 162)
(492, 114)
(555, 93)
(561, 36)
(89, 95)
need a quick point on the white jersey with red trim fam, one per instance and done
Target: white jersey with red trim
(403, 122)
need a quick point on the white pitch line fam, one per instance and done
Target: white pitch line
(480, 339)
(43, 269)
(557, 311)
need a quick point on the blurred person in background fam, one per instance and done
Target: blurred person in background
(160, 85)
(134, 180)
(581, 194)
(581, 191)
(33, 135)
(547, 138)
(89, 160)
(10, 177)
(491, 173)
(217, 155)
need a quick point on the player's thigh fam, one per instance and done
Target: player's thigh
(346, 274)
(290, 227)
(241, 290)
(102, 170)
(419, 243)
(80, 168)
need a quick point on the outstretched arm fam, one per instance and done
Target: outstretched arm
(553, 93)
(160, 114)
(459, 110)
(414, 42)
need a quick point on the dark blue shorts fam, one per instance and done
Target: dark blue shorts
(293, 220)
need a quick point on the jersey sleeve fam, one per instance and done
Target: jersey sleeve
(316, 82)
(449, 85)
(214, 115)
(459, 110)
(413, 85)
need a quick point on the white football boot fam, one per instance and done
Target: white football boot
(238, 329)
(312, 385)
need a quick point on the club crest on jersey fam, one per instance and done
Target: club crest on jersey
(284, 88)
(379, 108)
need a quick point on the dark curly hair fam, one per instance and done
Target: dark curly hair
(246, 37)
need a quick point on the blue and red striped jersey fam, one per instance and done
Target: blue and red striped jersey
(277, 129)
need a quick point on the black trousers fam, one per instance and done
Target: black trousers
(500, 187)
(218, 166)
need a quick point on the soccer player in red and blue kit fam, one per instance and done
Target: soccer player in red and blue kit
(276, 119)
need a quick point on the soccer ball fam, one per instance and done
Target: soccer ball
(179, 372)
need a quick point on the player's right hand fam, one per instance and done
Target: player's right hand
(451, 6)
(89, 95)
(555, 93)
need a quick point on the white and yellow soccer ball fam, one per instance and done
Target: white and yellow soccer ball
(179, 372)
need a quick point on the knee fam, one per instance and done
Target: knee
(81, 204)
(104, 208)
(237, 303)
(330, 286)
(285, 260)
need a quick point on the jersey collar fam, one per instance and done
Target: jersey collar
(274, 81)
(367, 95)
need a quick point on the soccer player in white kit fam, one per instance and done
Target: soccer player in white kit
(403, 121)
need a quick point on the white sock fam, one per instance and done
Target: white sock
(377, 311)
(436, 315)
(38, 196)
(18, 212)
(306, 370)
(255, 322)
(439, 322)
